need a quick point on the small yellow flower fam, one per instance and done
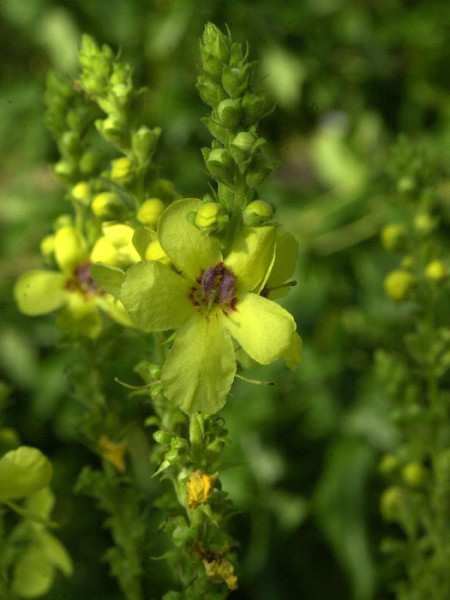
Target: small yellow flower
(200, 486)
(114, 452)
(219, 569)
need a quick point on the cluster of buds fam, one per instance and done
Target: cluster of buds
(235, 160)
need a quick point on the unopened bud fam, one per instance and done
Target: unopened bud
(121, 168)
(107, 206)
(82, 193)
(392, 503)
(398, 285)
(393, 236)
(220, 164)
(47, 246)
(208, 214)
(414, 474)
(150, 211)
(257, 212)
(424, 223)
(436, 271)
(229, 113)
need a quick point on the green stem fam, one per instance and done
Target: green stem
(196, 437)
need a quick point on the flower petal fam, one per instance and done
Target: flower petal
(115, 310)
(40, 292)
(81, 316)
(22, 472)
(286, 251)
(293, 355)
(188, 249)
(109, 278)
(262, 328)
(70, 248)
(156, 297)
(200, 366)
(251, 257)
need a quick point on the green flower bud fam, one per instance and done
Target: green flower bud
(234, 81)
(406, 184)
(392, 503)
(150, 211)
(89, 161)
(70, 141)
(215, 43)
(220, 165)
(47, 246)
(122, 92)
(217, 130)
(9, 439)
(111, 129)
(414, 474)
(259, 169)
(388, 464)
(393, 236)
(436, 271)
(107, 206)
(398, 285)
(76, 119)
(64, 169)
(257, 212)
(244, 141)
(144, 142)
(81, 192)
(121, 168)
(211, 93)
(229, 113)
(208, 214)
(252, 107)
(236, 55)
(424, 224)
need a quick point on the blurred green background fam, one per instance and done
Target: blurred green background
(347, 78)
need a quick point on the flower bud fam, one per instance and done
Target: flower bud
(392, 503)
(252, 107)
(208, 214)
(107, 206)
(436, 271)
(47, 246)
(234, 81)
(121, 168)
(257, 212)
(414, 474)
(388, 464)
(64, 169)
(82, 193)
(215, 42)
(144, 142)
(229, 113)
(244, 141)
(398, 285)
(89, 161)
(220, 164)
(407, 261)
(111, 129)
(150, 211)
(393, 236)
(211, 93)
(259, 169)
(155, 252)
(424, 224)
(70, 141)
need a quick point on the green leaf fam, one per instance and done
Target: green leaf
(200, 366)
(23, 472)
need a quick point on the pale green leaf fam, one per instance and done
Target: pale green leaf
(108, 278)
(22, 472)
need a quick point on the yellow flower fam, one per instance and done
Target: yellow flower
(219, 569)
(200, 486)
(114, 452)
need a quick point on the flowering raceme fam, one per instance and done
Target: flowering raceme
(213, 302)
(71, 288)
